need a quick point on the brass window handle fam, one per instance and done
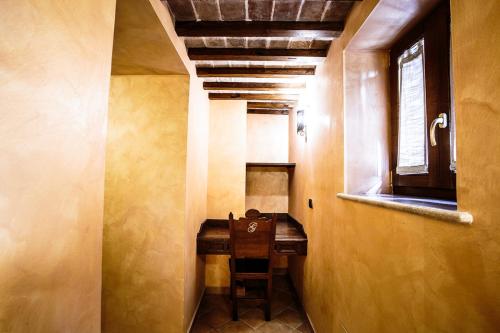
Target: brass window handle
(442, 121)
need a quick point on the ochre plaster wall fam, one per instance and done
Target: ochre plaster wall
(196, 195)
(226, 175)
(372, 269)
(267, 138)
(54, 79)
(267, 189)
(141, 43)
(267, 141)
(146, 43)
(226, 159)
(145, 202)
(367, 134)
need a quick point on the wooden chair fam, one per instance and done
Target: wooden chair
(252, 246)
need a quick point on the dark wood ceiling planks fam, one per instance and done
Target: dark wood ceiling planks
(272, 39)
(258, 29)
(257, 72)
(257, 86)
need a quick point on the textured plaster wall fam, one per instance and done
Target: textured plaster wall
(226, 174)
(267, 138)
(141, 43)
(196, 195)
(267, 189)
(145, 204)
(146, 43)
(367, 130)
(54, 79)
(371, 269)
(226, 159)
(267, 141)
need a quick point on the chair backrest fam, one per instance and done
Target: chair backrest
(252, 237)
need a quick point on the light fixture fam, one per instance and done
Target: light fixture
(301, 123)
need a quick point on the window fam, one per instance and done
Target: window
(412, 145)
(421, 97)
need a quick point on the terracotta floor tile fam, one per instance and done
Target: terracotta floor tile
(291, 317)
(279, 303)
(283, 296)
(275, 326)
(280, 283)
(203, 310)
(294, 306)
(216, 317)
(201, 327)
(236, 327)
(304, 328)
(214, 314)
(212, 301)
(254, 318)
(245, 306)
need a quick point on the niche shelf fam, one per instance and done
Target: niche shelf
(276, 165)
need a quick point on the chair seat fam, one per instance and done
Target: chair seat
(251, 265)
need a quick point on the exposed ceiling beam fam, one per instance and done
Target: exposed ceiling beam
(268, 111)
(258, 86)
(269, 105)
(253, 97)
(258, 29)
(253, 71)
(206, 53)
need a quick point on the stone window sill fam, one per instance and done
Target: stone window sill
(437, 209)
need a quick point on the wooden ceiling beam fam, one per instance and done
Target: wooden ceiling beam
(258, 29)
(270, 105)
(242, 54)
(257, 86)
(253, 71)
(252, 97)
(268, 111)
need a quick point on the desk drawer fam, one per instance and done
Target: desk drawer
(291, 248)
(213, 246)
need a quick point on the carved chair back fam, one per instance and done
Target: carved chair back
(252, 237)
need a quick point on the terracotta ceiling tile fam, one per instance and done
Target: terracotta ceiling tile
(207, 10)
(235, 42)
(286, 10)
(320, 44)
(259, 43)
(279, 43)
(181, 9)
(260, 10)
(299, 43)
(232, 10)
(337, 11)
(215, 42)
(312, 10)
(194, 42)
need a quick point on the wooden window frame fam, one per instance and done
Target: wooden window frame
(440, 181)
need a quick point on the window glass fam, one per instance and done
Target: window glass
(412, 140)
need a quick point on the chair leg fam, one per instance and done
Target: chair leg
(235, 309)
(234, 299)
(268, 301)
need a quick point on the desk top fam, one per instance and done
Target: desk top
(213, 237)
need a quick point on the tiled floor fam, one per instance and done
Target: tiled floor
(214, 314)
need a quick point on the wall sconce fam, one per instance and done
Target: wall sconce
(301, 123)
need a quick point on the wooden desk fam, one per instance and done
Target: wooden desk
(213, 237)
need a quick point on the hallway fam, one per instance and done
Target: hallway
(161, 159)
